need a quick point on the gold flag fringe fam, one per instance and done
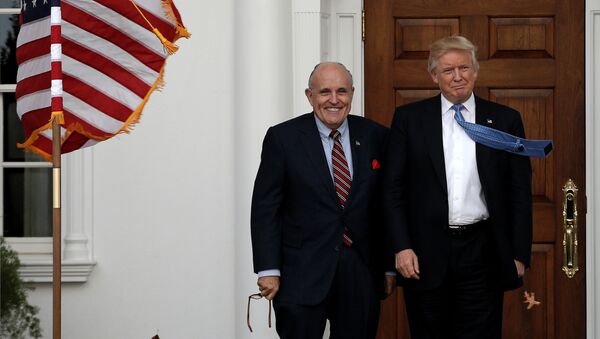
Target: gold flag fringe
(57, 115)
(128, 125)
(170, 46)
(134, 118)
(181, 31)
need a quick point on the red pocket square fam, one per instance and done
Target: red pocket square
(375, 164)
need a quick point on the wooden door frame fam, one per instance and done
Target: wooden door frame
(591, 203)
(592, 67)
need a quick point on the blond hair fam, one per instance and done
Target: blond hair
(444, 45)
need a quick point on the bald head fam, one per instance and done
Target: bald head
(329, 65)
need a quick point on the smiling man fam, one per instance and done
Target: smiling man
(458, 213)
(315, 225)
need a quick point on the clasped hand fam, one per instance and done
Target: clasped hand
(407, 264)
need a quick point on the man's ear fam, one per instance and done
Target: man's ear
(308, 94)
(433, 76)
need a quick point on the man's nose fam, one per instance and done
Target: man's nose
(456, 74)
(334, 98)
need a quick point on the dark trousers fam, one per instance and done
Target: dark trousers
(469, 302)
(352, 306)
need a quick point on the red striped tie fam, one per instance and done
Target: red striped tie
(341, 176)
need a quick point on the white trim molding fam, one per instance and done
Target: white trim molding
(35, 255)
(593, 167)
(78, 261)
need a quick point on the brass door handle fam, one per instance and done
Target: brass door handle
(570, 262)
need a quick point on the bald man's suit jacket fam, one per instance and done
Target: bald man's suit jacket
(297, 222)
(416, 193)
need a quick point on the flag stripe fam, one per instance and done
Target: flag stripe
(152, 10)
(101, 82)
(109, 37)
(96, 99)
(74, 142)
(33, 49)
(75, 37)
(93, 116)
(56, 70)
(34, 67)
(33, 84)
(56, 102)
(100, 19)
(89, 127)
(111, 69)
(43, 143)
(33, 101)
(32, 31)
(35, 118)
(55, 33)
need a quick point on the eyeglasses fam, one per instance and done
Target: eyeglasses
(256, 296)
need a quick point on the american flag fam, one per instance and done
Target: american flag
(90, 64)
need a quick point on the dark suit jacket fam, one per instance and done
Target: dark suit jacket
(416, 194)
(297, 222)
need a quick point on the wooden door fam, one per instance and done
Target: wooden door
(531, 55)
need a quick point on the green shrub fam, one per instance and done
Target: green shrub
(16, 315)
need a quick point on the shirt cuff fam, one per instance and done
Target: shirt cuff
(269, 273)
(392, 273)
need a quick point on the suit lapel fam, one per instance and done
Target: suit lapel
(358, 149)
(483, 117)
(311, 141)
(432, 128)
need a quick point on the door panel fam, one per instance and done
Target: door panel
(531, 56)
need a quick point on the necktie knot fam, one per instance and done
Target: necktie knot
(457, 107)
(457, 114)
(335, 134)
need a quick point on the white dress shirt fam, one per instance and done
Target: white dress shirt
(466, 203)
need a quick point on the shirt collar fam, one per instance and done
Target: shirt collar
(469, 104)
(324, 131)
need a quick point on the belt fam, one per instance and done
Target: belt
(466, 229)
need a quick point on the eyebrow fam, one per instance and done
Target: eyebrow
(327, 89)
(453, 67)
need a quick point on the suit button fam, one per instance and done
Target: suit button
(337, 248)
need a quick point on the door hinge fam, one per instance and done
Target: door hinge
(363, 25)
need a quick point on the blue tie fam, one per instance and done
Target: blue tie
(500, 140)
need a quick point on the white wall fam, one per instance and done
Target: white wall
(263, 72)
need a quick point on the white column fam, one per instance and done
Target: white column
(346, 46)
(310, 45)
(593, 167)
(263, 97)
(77, 198)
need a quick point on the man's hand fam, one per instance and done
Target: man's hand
(268, 286)
(408, 264)
(389, 285)
(520, 268)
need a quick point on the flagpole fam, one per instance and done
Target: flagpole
(56, 231)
